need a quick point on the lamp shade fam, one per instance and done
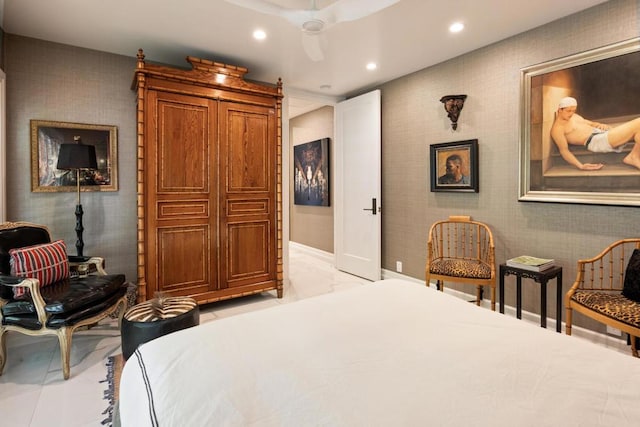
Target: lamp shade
(77, 156)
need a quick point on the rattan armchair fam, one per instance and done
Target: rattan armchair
(597, 291)
(461, 250)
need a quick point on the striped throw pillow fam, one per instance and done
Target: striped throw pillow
(47, 262)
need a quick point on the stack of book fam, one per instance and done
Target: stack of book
(531, 263)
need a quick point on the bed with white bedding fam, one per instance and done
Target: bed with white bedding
(389, 353)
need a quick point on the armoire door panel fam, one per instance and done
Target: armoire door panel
(247, 207)
(247, 150)
(247, 199)
(183, 147)
(248, 250)
(183, 258)
(178, 209)
(181, 196)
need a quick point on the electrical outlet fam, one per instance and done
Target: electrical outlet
(399, 266)
(614, 331)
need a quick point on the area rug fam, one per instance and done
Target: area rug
(114, 370)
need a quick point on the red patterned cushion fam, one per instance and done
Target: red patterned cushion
(47, 262)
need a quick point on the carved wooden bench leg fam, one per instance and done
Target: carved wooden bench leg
(64, 338)
(3, 349)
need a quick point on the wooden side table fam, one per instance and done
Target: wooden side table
(541, 277)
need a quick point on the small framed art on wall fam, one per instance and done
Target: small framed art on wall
(454, 166)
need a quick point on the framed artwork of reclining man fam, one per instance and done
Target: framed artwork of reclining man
(580, 128)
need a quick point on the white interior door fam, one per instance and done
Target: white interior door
(357, 211)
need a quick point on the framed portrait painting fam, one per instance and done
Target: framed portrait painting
(454, 166)
(570, 149)
(46, 138)
(311, 173)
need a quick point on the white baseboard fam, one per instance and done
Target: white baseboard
(318, 253)
(388, 274)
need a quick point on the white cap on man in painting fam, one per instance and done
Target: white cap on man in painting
(567, 102)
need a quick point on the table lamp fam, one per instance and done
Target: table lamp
(77, 157)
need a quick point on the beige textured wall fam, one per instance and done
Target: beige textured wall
(312, 225)
(413, 118)
(49, 81)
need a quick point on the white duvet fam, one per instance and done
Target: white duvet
(390, 353)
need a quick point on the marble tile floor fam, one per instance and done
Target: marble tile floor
(33, 393)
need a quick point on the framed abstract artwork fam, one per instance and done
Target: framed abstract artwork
(311, 173)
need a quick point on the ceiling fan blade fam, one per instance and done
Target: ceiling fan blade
(261, 6)
(314, 22)
(351, 10)
(314, 45)
(295, 17)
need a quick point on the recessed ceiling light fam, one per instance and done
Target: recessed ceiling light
(456, 27)
(372, 66)
(259, 35)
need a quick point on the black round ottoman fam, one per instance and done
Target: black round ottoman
(155, 318)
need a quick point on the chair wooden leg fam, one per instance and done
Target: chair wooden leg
(121, 311)
(3, 349)
(634, 348)
(478, 295)
(64, 338)
(493, 298)
(567, 325)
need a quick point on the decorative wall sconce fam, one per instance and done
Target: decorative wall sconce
(453, 105)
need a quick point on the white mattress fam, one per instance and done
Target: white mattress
(390, 353)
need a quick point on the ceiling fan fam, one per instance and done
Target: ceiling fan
(313, 21)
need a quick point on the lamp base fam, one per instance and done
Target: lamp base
(79, 229)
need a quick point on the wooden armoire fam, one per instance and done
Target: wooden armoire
(209, 181)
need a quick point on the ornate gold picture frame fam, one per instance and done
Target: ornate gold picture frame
(46, 138)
